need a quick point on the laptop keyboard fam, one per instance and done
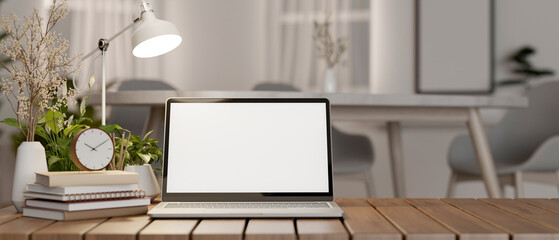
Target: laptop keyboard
(246, 205)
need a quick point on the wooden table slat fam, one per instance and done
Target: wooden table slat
(168, 229)
(8, 214)
(272, 229)
(461, 223)
(410, 219)
(119, 228)
(550, 205)
(321, 229)
(22, 228)
(68, 230)
(413, 223)
(518, 227)
(219, 229)
(536, 214)
(363, 222)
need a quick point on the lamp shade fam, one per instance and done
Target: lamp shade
(154, 37)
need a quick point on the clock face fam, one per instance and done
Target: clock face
(92, 149)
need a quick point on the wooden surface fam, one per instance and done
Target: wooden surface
(410, 221)
(314, 229)
(533, 213)
(119, 228)
(273, 229)
(543, 203)
(459, 222)
(520, 228)
(169, 229)
(219, 229)
(71, 230)
(372, 219)
(364, 223)
(8, 214)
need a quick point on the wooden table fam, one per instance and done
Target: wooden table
(411, 219)
(391, 109)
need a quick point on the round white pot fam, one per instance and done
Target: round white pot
(330, 83)
(147, 181)
(30, 159)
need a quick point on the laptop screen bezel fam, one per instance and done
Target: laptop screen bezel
(246, 197)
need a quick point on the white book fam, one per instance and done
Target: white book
(85, 178)
(79, 189)
(87, 196)
(89, 205)
(87, 214)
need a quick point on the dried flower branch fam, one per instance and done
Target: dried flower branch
(328, 49)
(38, 68)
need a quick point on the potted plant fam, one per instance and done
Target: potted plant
(330, 50)
(524, 67)
(35, 84)
(137, 154)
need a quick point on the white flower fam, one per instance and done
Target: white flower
(91, 81)
(39, 64)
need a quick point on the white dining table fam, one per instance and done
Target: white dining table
(392, 109)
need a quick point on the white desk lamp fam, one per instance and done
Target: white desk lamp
(152, 38)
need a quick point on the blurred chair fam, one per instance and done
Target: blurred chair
(525, 145)
(134, 118)
(352, 154)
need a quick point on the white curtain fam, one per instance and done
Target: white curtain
(92, 20)
(289, 51)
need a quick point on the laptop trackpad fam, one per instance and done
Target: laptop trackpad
(229, 211)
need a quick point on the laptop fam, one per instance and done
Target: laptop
(247, 157)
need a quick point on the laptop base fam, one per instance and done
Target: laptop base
(161, 211)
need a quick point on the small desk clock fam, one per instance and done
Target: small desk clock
(92, 149)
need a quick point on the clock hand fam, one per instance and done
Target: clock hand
(92, 148)
(101, 143)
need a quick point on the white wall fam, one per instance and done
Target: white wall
(220, 48)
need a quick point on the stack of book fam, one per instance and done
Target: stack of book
(84, 195)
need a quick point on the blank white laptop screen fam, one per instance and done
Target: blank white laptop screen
(233, 147)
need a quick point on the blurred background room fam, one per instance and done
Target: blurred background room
(390, 47)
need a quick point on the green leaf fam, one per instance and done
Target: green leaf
(51, 119)
(145, 157)
(41, 120)
(52, 160)
(41, 132)
(111, 128)
(63, 142)
(74, 129)
(12, 122)
(146, 136)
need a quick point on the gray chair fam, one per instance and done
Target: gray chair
(525, 145)
(134, 118)
(352, 154)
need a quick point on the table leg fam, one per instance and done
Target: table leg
(396, 158)
(483, 152)
(155, 121)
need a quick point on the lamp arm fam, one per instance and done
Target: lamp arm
(110, 39)
(124, 30)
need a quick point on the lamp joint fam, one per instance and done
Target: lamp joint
(103, 44)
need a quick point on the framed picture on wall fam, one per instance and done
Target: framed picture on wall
(454, 46)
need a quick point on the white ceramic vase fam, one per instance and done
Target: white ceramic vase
(330, 84)
(30, 159)
(147, 181)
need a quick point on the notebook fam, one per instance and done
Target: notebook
(247, 157)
